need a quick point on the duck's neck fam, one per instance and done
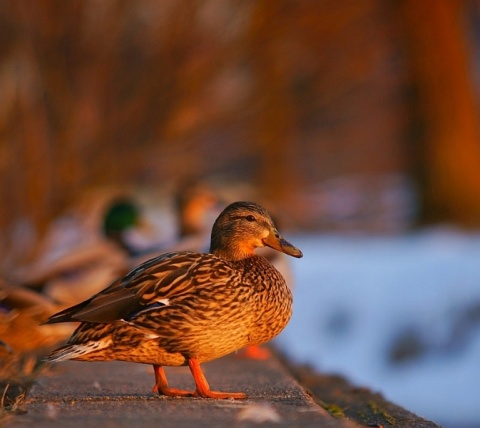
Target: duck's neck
(230, 249)
(233, 254)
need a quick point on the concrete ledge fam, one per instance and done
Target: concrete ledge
(118, 394)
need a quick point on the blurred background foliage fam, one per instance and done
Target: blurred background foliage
(359, 113)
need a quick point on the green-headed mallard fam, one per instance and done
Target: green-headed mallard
(186, 308)
(85, 249)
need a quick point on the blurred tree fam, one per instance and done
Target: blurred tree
(284, 94)
(328, 83)
(448, 156)
(276, 121)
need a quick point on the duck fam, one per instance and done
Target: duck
(84, 250)
(194, 204)
(21, 311)
(186, 308)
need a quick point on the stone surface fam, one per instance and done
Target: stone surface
(115, 394)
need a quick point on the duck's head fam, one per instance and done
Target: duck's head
(243, 226)
(194, 202)
(119, 217)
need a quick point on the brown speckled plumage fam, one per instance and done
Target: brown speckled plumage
(186, 308)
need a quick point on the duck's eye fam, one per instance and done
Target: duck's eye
(250, 218)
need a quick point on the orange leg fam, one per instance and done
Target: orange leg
(203, 389)
(161, 385)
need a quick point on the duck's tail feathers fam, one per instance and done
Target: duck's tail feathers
(76, 351)
(67, 315)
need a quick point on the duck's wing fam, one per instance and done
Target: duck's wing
(153, 281)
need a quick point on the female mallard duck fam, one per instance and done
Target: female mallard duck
(186, 308)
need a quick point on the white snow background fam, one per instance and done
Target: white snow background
(354, 296)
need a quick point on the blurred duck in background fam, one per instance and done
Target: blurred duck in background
(84, 250)
(194, 209)
(197, 207)
(23, 341)
(21, 312)
(106, 234)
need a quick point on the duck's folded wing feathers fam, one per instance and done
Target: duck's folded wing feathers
(153, 281)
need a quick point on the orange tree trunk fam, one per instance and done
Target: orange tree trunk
(442, 71)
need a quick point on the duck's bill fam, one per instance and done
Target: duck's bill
(276, 242)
